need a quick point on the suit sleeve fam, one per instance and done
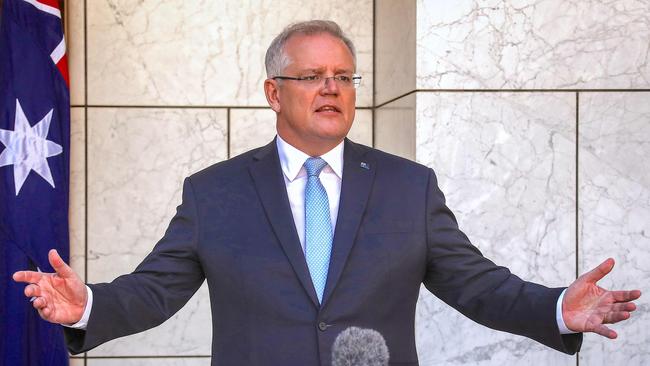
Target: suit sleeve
(462, 277)
(164, 281)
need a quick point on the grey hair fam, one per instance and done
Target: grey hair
(276, 60)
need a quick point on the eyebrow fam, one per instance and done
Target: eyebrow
(322, 70)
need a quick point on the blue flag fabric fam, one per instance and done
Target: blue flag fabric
(34, 172)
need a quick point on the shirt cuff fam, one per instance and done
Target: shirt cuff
(83, 322)
(560, 319)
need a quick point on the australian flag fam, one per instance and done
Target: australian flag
(34, 171)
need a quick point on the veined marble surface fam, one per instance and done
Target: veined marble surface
(187, 333)
(137, 160)
(614, 208)
(533, 44)
(77, 206)
(252, 128)
(395, 127)
(395, 52)
(203, 53)
(74, 33)
(77, 362)
(506, 162)
(361, 131)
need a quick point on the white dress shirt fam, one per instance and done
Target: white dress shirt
(295, 179)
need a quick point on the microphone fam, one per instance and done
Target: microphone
(359, 347)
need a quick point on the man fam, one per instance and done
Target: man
(312, 234)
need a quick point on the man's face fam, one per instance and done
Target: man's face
(314, 118)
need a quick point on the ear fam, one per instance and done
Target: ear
(272, 94)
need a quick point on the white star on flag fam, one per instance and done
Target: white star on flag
(27, 148)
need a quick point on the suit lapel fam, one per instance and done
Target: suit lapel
(358, 176)
(269, 182)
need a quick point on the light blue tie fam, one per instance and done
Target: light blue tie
(318, 227)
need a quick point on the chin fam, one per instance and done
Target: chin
(332, 127)
(334, 133)
(327, 137)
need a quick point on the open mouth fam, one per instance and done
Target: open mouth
(328, 109)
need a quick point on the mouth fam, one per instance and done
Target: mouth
(328, 108)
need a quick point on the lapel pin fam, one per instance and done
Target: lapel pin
(365, 165)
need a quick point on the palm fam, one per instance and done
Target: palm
(64, 298)
(59, 297)
(587, 307)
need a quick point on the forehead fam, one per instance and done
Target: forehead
(318, 51)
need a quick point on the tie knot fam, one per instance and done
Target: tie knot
(314, 166)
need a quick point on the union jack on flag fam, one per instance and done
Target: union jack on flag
(34, 171)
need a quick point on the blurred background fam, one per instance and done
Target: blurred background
(535, 114)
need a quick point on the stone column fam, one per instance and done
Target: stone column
(534, 116)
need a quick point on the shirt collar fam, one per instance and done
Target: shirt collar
(292, 159)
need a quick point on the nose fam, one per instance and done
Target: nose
(330, 86)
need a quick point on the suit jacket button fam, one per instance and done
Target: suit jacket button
(322, 326)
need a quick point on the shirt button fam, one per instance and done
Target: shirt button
(322, 326)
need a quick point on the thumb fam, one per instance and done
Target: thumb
(599, 272)
(62, 269)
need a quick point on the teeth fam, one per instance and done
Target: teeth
(327, 109)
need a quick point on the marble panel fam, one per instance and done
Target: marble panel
(395, 127)
(395, 50)
(614, 213)
(252, 128)
(187, 333)
(77, 362)
(75, 37)
(175, 361)
(361, 131)
(203, 53)
(533, 44)
(137, 159)
(506, 162)
(77, 206)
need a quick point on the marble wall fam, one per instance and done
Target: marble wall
(533, 113)
(506, 162)
(161, 89)
(614, 211)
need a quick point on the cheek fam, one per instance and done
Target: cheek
(350, 107)
(351, 116)
(295, 104)
(302, 108)
(350, 101)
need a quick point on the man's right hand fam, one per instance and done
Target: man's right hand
(59, 297)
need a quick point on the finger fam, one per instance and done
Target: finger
(27, 276)
(615, 317)
(624, 296)
(599, 272)
(623, 306)
(605, 332)
(39, 303)
(45, 313)
(62, 269)
(32, 290)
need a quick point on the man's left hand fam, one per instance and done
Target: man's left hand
(587, 307)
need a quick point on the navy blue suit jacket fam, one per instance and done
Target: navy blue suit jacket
(235, 229)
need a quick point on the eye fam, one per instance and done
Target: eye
(344, 78)
(311, 78)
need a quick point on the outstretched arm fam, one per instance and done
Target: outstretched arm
(59, 297)
(587, 307)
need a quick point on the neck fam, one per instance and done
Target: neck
(314, 148)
